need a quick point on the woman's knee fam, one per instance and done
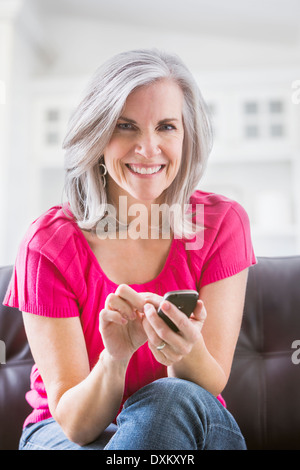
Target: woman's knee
(171, 413)
(176, 399)
(171, 391)
(181, 401)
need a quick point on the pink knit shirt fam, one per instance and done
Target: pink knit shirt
(56, 274)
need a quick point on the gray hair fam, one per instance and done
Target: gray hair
(93, 122)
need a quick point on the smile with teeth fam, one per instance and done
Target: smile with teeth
(143, 170)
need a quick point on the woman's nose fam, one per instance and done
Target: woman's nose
(148, 146)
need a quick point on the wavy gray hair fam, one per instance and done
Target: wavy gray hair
(93, 122)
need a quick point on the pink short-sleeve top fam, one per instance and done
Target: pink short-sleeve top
(56, 274)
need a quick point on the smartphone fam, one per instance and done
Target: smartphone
(185, 300)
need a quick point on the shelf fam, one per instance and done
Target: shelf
(252, 154)
(275, 232)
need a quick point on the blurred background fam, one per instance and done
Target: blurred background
(244, 54)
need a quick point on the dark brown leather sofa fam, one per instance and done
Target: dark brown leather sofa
(263, 392)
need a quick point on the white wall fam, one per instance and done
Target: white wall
(5, 60)
(82, 44)
(22, 61)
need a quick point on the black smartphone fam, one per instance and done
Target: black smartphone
(185, 300)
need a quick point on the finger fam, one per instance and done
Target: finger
(152, 298)
(179, 318)
(157, 324)
(200, 313)
(111, 316)
(159, 356)
(152, 336)
(159, 331)
(130, 295)
(114, 302)
(188, 334)
(166, 356)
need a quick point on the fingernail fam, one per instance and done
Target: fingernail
(147, 307)
(165, 305)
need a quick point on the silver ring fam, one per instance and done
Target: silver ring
(161, 346)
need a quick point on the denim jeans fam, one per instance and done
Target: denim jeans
(168, 414)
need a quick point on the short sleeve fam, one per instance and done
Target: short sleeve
(39, 285)
(231, 249)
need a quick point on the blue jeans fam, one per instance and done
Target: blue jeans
(168, 414)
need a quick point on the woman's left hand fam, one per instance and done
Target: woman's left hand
(167, 346)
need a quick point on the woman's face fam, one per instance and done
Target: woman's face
(145, 151)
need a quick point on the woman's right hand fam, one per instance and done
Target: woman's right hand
(120, 323)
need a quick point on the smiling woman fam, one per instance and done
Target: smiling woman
(109, 372)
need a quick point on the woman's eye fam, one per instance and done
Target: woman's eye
(167, 127)
(124, 126)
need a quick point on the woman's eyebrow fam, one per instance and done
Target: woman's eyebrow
(123, 118)
(162, 121)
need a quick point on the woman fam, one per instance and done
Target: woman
(90, 276)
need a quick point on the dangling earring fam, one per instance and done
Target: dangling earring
(104, 171)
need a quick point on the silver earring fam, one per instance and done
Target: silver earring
(104, 171)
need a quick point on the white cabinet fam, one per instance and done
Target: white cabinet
(255, 160)
(52, 106)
